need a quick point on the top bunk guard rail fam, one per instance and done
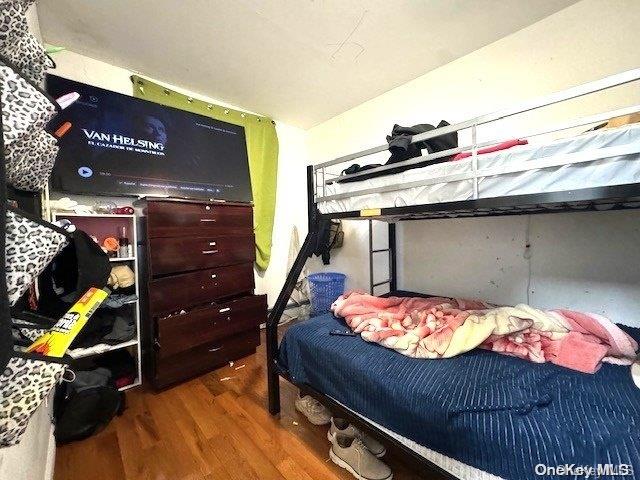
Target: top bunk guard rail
(591, 119)
(546, 100)
(320, 173)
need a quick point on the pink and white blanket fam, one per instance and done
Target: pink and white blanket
(439, 327)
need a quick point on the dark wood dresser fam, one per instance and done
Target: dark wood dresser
(199, 312)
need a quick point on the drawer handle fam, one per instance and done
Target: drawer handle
(224, 310)
(207, 219)
(209, 252)
(214, 276)
(215, 349)
(212, 244)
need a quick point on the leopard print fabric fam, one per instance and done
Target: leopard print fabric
(23, 385)
(30, 160)
(13, 21)
(28, 54)
(26, 329)
(29, 248)
(24, 108)
(32, 334)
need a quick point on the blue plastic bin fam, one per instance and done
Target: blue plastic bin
(324, 288)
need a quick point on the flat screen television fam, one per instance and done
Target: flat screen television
(120, 145)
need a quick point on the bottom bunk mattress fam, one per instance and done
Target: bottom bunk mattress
(496, 413)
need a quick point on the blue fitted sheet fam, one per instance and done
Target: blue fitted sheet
(497, 413)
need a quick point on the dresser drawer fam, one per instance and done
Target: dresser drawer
(209, 324)
(173, 255)
(205, 358)
(175, 219)
(181, 292)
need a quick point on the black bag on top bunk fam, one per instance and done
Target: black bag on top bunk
(402, 149)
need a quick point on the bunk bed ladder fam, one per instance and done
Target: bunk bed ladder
(391, 251)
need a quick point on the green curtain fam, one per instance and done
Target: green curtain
(262, 147)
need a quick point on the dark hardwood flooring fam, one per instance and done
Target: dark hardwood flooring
(210, 429)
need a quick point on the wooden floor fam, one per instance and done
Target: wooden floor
(210, 429)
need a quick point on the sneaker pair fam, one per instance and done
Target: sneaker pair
(357, 452)
(311, 408)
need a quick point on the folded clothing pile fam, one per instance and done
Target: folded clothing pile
(439, 327)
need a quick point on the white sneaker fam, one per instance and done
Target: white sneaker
(342, 427)
(351, 454)
(315, 412)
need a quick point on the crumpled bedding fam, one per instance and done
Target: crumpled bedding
(439, 327)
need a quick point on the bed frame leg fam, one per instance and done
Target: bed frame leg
(273, 385)
(273, 380)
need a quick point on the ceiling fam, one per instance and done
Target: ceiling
(298, 61)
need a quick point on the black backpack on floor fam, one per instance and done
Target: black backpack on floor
(86, 405)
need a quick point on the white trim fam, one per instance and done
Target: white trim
(122, 259)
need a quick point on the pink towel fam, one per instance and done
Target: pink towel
(620, 344)
(577, 353)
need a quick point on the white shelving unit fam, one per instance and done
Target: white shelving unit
(133, 262)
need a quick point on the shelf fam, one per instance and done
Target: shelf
(108, 348)
(103, 225)
(129, 302)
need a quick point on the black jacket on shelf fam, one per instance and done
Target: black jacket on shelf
(81, 265)
(402, 149)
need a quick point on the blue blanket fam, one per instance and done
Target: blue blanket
(497, 413)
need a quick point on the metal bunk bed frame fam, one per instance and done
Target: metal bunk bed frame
(584, 199)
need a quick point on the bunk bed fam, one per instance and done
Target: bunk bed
(443, 423)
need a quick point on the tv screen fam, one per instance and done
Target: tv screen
(120, 145)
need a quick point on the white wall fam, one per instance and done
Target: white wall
(583, 260)
(290, 210)
(479, 258)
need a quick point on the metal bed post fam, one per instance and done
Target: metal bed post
(393, 273)
(371, 252)
(273, 374)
